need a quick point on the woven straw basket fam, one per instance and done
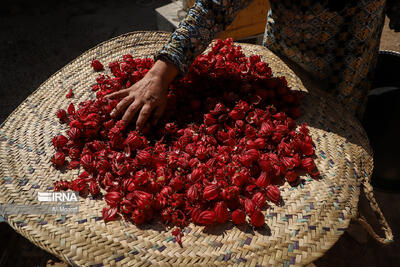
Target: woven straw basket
(314, 215)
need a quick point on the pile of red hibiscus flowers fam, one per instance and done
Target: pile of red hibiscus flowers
(226, 140)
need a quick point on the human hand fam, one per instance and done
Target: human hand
(147, 96)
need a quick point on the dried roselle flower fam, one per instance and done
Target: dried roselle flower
(87, 162)
(109, 214)
(288, 162)
(223, 118)
(113, 198)
(246, 160)
(249, 206)
(192, 193)
(58, 159)
(73, 164)
(263, 180)
(238, 217)
(259, 143)
(211, 192)
(166, 191)
(291, 176)
(121, 169)
(273, 193)
(128, 185)
(171, 127)
(282, 129)
(95, 87)
(134, 141)
(69, 94)
(138, 216)
(230, 193)
(250, 131)
(266, 129)
(141, 177)
(183, 162)
(91, 126)
(153, 187)
(75, 124)
(160, 202)
(236, 114)
(209, 119)
(62, 185)
(96, 65)
(177, 200)
(307, 164)
(71, 109)
(143, 157)
(218, 109)
(74, 133)
(212, 129)
(265, 163)
(94, 188)
(239, 179)
(201, 152)
(259, 200)
(197, 175)
(263, 69)
(109, 124)
(62, 115)
(307, 149)
(257, 218)
(240, 125)
(176, 183)
(142, 200)
(280, 116)
(254, 154)
(206, 217)
(84, 175)
(79, 185)
(166, 214)
(126, 206)
(59, 141)
(177, 232)
(191, 149)
(178, 218)
(221, 212)
(103, 165)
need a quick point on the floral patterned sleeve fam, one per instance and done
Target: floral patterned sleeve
(203, 21)
(393, 12)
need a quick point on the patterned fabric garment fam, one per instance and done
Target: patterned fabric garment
(335, 41)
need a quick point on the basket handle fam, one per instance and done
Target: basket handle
(369, 194)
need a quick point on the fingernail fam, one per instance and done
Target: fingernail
(112, 114)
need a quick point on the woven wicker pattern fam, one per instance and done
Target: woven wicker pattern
(313, 216)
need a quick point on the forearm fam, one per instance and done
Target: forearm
(195, 32)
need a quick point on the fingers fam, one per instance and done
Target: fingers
(121, 107)
(158, 113)
(118, 94)
(143, 116)
(131, 111)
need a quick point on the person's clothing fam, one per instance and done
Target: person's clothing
(336, 41)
